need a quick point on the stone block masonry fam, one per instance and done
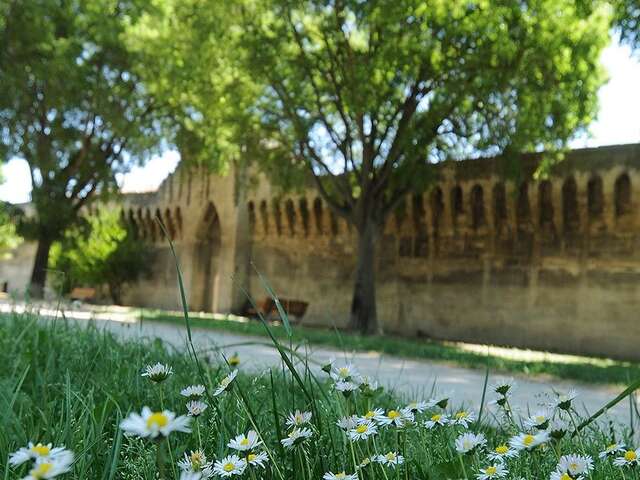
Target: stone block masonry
(477, 256)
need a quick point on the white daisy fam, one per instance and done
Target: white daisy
(397, 418)
(463, 417)
(158, 372)
(468, 442)
(348, 423)
(528, 441)
(417, 407)
(195, 408)
(194, 466)
(257, 459)
(298, 418)
(230, 466)
(193, 391)
(226, 383)
(347, 373)
(503, 386)
(497, 470)
(363, 431)
(244, 443)
(375, 415)
(612, 450)
(389, 459)
(558, 428)
(440, 401)
(153, 424)
(575, 465)
(539, 420)
(50, 468)
(436, 420)
(563, 400)
(296, 437)
(629, 459)
(501, 453)
(38, 452)
(339, 476)
(345, 387)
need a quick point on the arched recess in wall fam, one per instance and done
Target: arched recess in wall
(595, 198)
(133, 224)
(478, 216)
(500, 218)
(333, 221)
(264, 216)
(277, 216)
(169, 223)
(318, 215)
(545, 203)
(206, 257)
(419, 214)
(151, 224)
(141, 224)
(251, 213)
(290, 212)
(622, 195)
(457, 204)
(570, 214)
(304, 214)
(523, 207)
(437, 209)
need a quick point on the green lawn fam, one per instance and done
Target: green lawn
(583, 369)
(73, 386)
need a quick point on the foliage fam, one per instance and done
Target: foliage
(9, 239)
(82, 382)
(364, 96)
(627, 19)
(101, 252)
(72, 105)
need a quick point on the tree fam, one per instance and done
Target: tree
(100, 251)
(72, 106)
(365, 95)
(627, 19)
(8, 219)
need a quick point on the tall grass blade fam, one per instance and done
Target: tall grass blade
(272, 294)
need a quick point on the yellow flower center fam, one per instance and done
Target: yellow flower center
(235, 360)
(613, 446)
(244, 442)
(225, 382)
(528, 440)
(197, 459)
(41, 450)
(540, 419)
(390, 456)
(251, 457)
(491, 470)
(436, 417)
(370, 414)
(630, 456)
(565, 476)
(41, 470)
(362, 429)
(341, 475)
(461, 415)
(502, 449)
(229, 467)
(573, 467)
(157, 419)
(344, 372)
(393, 414)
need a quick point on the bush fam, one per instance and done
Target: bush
(99, 252)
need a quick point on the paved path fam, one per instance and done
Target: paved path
(413, 379)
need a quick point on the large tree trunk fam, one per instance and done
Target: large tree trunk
(40, 265)
(364, 317)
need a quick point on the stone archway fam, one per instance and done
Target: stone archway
(206, 260)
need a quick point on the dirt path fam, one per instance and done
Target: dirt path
(413, 379)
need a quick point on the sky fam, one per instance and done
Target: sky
(618, 122)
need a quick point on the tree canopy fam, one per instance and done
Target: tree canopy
(72, 105)
(364, 96)
(100, 252)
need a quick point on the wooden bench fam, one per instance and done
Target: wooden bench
(295, 309)
(83, 294)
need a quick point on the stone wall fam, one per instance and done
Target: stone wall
(548, 264)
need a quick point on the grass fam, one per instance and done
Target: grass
(72, 386)
(576, 368)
